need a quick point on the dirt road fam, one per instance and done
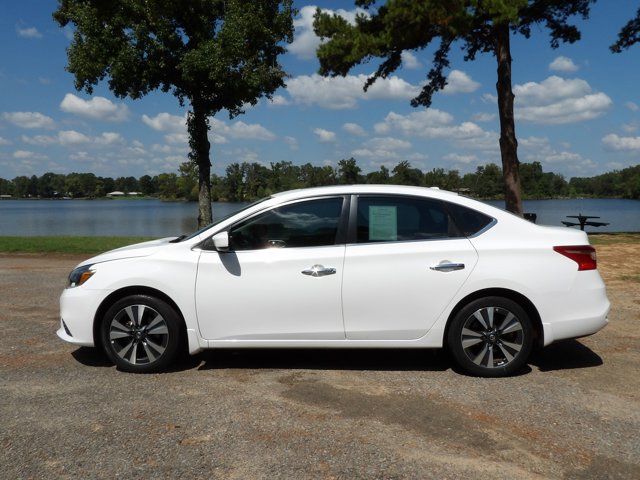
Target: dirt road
(65, 412)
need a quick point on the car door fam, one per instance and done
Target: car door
(282, 277)
(404, 262)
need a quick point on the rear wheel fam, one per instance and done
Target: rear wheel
(491, 337)
(141, 333)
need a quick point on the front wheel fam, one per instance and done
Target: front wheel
(141, 333)
(491, 337)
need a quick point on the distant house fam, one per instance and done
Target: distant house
(5, 197)
(134, 193)
(116, 194)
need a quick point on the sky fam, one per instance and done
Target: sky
(577, 107)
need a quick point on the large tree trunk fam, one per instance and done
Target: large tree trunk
(508, 142)
(198, 126)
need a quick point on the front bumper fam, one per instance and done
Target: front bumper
(78, 308)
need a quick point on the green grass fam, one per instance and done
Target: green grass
(65, 244)
(613, 238)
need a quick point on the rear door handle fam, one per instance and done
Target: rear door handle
(319, 271)
(447, 267)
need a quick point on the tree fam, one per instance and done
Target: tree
(480, 26)
(405, 174)
(213, 54)
(629, 35)
(348, 171)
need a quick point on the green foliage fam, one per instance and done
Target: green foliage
(213, 54)
(244, 182)
(629, 35)
(397, 25)
(222, 53)
(623, 183)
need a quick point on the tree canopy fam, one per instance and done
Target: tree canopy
(629, 34)
(213, 54)
(387, 29)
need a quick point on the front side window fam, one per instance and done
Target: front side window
(310, 223)
(396, 219)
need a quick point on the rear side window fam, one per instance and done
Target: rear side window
(469, 221)
(398, 219)
(310, 223)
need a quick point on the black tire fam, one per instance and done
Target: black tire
(490, 352)
(141, 344)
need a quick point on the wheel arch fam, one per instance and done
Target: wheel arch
(125, 292)
(517, 297)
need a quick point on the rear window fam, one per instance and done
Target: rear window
(468, 221)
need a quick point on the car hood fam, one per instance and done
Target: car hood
(143, 249)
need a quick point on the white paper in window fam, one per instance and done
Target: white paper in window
(383, 223)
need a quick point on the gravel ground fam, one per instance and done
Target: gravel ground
(66, 412)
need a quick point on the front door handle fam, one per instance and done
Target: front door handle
(447, 267)
(319, 271)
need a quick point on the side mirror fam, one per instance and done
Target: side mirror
(221, 241)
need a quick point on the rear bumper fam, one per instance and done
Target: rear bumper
(579, 312)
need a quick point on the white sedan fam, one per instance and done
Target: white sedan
(343, 267)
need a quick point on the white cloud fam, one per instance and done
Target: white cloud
(354, 129)
(344, 92)
(176, 126)
(387, 143)
(621, 144)
(630, 127)
(563, 64)
(165, 122)
(28, 155)
(244, 131)
(436, 124)
(4, 141)
(29, 119)
(489, 98)
(71, 137)
(97, 108)
(292, 142)
(483, 117)
(109, 138)
(539, 149)
(324, 136)
(28, 32)
(410, 61)
(632, 106)
(278, 101)
(459, 82)
(305, 42)
(458, 158)
(557, 100)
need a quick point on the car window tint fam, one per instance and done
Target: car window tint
(469, 221)
(390, 219)
(309, 223)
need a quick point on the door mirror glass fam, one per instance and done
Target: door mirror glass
(221, 241)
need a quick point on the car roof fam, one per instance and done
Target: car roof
(366, 188)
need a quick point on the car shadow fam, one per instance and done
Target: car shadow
(565, 355)
(91, 357)
(327, 359)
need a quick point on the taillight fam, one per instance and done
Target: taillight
(583, 255)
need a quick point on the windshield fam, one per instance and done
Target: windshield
(220, 220)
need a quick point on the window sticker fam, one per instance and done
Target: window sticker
(383, 223)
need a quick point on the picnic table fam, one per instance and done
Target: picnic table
(583, 220)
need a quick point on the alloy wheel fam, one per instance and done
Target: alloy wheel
(138, 334)
(492, 337)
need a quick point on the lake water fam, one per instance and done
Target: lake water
(155, 218)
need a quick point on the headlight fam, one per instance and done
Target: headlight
(80, 275)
